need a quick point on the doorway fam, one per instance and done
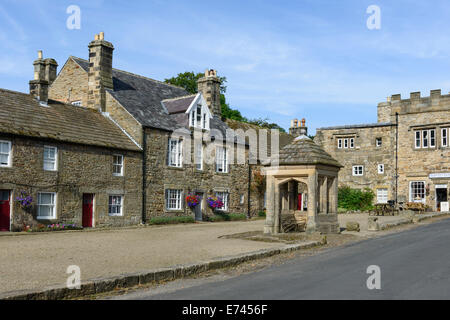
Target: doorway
(88, 210)
(198, 209)
(5, 210)
(441, 196)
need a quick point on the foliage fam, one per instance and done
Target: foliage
(170, 220)
(24, 200)
(214, 202)
(265, 124)
(54, 227)
(262, 214)
(192, 200)
(227, 217)
(355, 199)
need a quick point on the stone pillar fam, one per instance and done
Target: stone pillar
(272, 206)
(324, 195)
(334, 196)
(312, 202)
(100, 72)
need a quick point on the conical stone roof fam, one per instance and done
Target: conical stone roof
(304, 151)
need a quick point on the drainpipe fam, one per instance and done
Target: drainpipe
(249, 189)
(396, 157)
(144, 176)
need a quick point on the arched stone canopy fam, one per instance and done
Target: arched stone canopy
(304, 185)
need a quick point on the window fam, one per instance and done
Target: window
(221, 160)
(198, 117)
(352, 142)
(173, 199)
(175, 153)
(340, 143)
(382, 195)
(358, 170)
(224, 197)
(345, 143)
(5, 153)
(378, 142)
(432, 138)
(381, 169)
(242, 200)
(46, 205)
(118, 165)
(77, 103)
(425, 139)
(418, 140)
(417, 191)
(115, 206)
(444, 137)
(204, 121)
(50, 158)
(199, 156)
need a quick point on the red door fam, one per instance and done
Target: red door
(4, 210)
(88, 210)
(299, 202)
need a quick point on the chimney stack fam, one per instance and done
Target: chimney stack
(209, 87)
(100, 71)
(39, 85)
(298, 128)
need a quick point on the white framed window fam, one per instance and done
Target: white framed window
(378, 142)
(5, 153)
(345, 143)
(198, 117)
(432, 138)
(199, 156)
(115, 206)
(118, 165)
(358, 170)
(425, 139)
(418, 140)
(77, 103)
(352, 143)
(382, 195)
(444, 137)
(175, 153)
(340, 143)
(50, 158)
(221, 160)
(224, 197)
(417, 191)
(242, 200)
(46, 205)
(381, 169)
(174, 199)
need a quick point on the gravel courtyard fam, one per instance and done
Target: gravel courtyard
(40, 260)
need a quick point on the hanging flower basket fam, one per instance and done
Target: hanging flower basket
(24, 200)
(215, 203)
(192, 200)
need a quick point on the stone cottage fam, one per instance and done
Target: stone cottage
(404, 157)
(124, 145)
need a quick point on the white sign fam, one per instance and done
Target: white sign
(439, 175)
(444, 207)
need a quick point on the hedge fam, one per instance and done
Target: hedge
(355, 199)
(227, 217)
(171, 220)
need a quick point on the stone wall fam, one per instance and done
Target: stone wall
(161, 177)
(81, 169)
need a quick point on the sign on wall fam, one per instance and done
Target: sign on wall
(439, 175)
(444, 207)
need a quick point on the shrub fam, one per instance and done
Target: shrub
(355, 199)
(171, 220)
(54, 227)
(218, 217)
(262, 214)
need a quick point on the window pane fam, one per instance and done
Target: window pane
(3, 159)
(46, 198)
(4, 147)
(45, 211)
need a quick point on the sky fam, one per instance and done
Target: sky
(312, 59)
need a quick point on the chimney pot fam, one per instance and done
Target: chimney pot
(102, 35)
(40, 54)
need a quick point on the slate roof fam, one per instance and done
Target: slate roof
(305, 151)
(142, 96)
(178, 105)
(21, 114)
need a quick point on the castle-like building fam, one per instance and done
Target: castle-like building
(404, 157)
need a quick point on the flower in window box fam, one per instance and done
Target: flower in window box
(215, 203)
(192, 200)
(24, 200)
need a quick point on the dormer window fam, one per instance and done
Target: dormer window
(199, 114)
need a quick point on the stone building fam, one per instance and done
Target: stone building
(404, 157)
(120, 134)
